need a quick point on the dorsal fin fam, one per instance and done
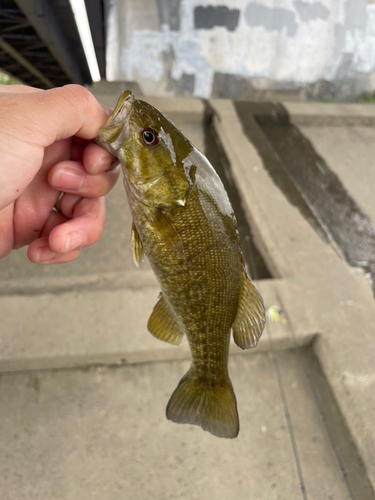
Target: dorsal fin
(163, 324)
(250, 319)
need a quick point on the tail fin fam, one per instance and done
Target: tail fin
(213, 407)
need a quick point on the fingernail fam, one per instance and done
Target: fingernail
(74, 241)
(45, 255)
(67, 178)
(102, 166)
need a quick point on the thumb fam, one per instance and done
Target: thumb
(60, 113)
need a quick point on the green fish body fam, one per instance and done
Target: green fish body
(184, 223)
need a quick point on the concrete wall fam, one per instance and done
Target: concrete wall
(233, 48)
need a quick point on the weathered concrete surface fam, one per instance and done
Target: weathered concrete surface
(240, 47)
(309, 183)
(102, 434)
(331, 114)
(107, 326)
(352, 159)
(338, 303)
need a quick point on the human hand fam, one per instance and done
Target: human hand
(45, 149)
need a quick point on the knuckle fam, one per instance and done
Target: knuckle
(79, 93)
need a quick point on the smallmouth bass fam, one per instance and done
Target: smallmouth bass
(184, 223)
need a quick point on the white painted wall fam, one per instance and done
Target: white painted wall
(279, 44)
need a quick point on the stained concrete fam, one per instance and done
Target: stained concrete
(271, 18)
(309, 182)
(169, 13)
(102, 434)
(338, 303)
(356, 16)
(331, 114)
(208, 17)
(305, 46)
(308, 11)
(338, 213)
(351, 159)
(250, 114)
(183, 86)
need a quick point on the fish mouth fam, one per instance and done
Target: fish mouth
(112, 134)
(122, 109)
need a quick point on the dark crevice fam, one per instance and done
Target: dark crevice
(251, 116)
(308, 182)
(216, 155)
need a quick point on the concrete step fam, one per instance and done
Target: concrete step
(107, 326)
(331, 114)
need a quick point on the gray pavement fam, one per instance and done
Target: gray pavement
(102, 433)
(83, 385)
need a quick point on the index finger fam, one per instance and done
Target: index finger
(18, 89)
(60, 113)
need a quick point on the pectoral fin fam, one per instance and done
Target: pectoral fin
(163, 324)
(249, 323)
(137, 246)
(169, 235)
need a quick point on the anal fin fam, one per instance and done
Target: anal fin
(137, 246)
(250, 319)
(163, 324)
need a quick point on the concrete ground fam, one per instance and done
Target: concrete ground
(102, 433)
(84, 386)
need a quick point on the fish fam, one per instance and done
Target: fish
(184, 224)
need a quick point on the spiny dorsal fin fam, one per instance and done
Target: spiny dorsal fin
(249, 323)
(137, 246)
(163, 324)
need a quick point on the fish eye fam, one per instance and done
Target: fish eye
(150, 137)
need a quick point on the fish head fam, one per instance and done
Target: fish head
(151, 151)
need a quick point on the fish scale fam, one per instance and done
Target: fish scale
(184, 223)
